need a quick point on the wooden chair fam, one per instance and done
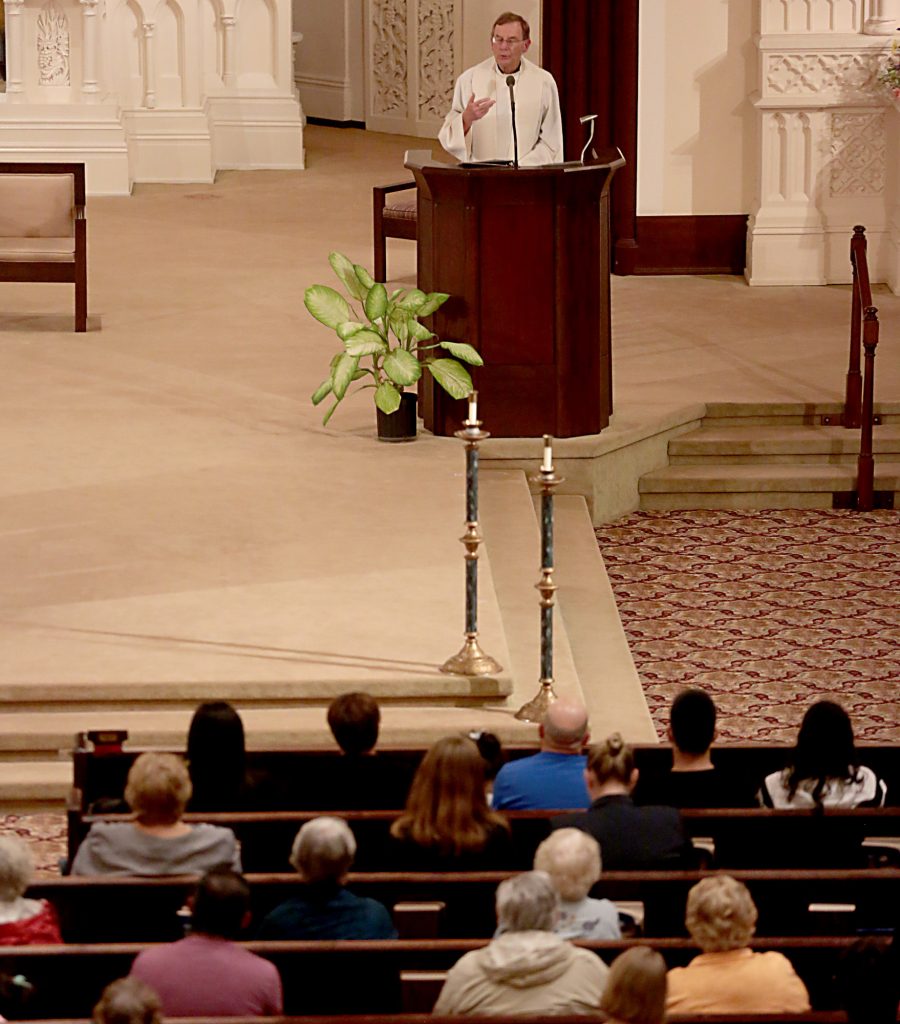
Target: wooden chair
(43, 229)
(394, 218)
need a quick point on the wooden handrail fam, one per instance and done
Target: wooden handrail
(860, 394)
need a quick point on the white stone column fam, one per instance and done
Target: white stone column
(15, 45)
(883, 18)
(90, 86)
(229, 50)
(149, 28)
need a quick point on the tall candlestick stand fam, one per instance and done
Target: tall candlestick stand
(536, 708)
(471, 659)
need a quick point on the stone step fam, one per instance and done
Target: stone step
(778, 444)
(785, 413)
(766, 485)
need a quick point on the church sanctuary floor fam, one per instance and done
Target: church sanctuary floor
(177, 525)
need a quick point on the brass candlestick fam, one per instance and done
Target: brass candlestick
(471, 659)
(536, 708)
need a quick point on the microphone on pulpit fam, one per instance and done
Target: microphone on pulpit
(511, 82)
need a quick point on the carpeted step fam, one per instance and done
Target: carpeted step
(763, 485)
(778, 444)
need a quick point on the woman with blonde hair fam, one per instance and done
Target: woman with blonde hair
(631, 837)
(23, 922)
(729, 977)
(572, 860)
(635, 990)
(156, 841)
(447, 824)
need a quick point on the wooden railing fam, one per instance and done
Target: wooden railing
(859, 401)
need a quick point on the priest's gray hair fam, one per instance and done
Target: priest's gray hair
(527, 902)
(323, 850)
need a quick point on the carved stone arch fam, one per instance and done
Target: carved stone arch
(257, 43)
(212, 43)
(125, 56)
(169, 64)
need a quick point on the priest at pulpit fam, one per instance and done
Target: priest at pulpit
(480, 123)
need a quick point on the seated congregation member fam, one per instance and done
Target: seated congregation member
(322, 854)
(128, 1001)
(447, 824)
(823, 768)
(868, 984)
(217, 763)
(693, 780)
(526, 968)
(208, 974)
(23, 922)
(635, 990)
(361, 779)
(572, 860)
(630, 837)
(552, 779)
(157, 841)
(729, 977)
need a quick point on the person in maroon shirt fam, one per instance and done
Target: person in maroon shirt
(207, 974)
(23, 922)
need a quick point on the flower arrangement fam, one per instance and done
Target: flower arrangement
(890, 71)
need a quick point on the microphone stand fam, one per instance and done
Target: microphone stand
(511, 82)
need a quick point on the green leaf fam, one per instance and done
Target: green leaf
(463, 351)
(419, 332)
(376, 302)
(413, 300)
(348, 329)
(433, 301)
(452, 376)
(394, 294)
(322, 391)
(344, 270)
(330, 413)
(403, 368)
(387, 398)
(343, 374)
(326, 305)
(366, 343)
(363, 276)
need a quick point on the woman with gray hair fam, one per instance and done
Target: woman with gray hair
(322, 855)
(572, 860)
(728, 977)
(23, 922)
(526, 968)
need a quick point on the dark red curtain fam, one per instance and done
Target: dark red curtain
(591, 49)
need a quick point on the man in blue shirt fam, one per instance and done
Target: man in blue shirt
(554, 778)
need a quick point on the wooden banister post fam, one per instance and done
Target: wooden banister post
(854, 377)
(865, 479)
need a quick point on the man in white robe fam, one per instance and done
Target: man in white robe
(479, 125)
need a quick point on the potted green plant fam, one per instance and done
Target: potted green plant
(397, 349)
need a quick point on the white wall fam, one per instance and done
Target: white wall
(696, 124)
(329, 61)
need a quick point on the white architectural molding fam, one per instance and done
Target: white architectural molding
(151, 90)
(823, 154)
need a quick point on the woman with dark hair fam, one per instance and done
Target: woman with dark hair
(217, 758)
(823, 769)
(635, 990)
(447, 824)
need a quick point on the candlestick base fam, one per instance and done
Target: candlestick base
(536, 708)
(471, 660)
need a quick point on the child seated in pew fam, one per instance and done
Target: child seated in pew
(23, 922)
(636, 988)
(572, 860)
(128, 1001)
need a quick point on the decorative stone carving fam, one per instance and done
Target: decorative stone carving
(436, 58)
(810, 74)
(858, 154)
(389, 61)
(53, 46)
(807, 16)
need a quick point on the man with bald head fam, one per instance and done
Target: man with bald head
(554, 778)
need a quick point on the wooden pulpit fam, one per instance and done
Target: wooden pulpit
(524, 255)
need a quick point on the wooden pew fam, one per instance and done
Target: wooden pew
(813, 1017)
(110, 909)
(304, 775)
(69, 979)
(755, 837)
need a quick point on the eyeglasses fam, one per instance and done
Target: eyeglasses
(500, 41)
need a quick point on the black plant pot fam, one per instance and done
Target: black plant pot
(399, 425)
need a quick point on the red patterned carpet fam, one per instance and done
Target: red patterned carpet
(768, 611)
